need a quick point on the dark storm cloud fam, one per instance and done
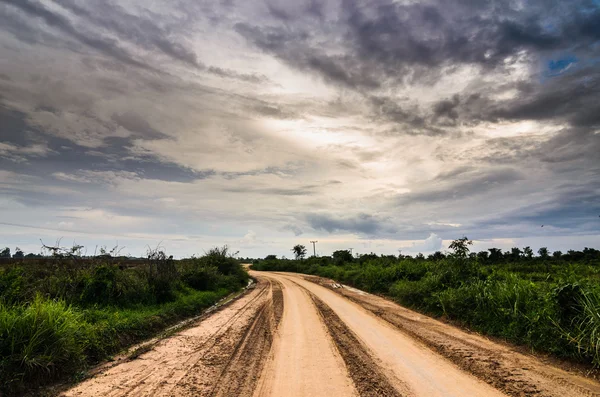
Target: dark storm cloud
(575, 207)
(574, 98)
(106, 46)
(64, 156)
(142, 31)
(137, 124)
(272, 191)
(387, 109)
(293, 48)
(403, 42)
(576, 145)
(232, 74)
(362, 224)
(463, 184)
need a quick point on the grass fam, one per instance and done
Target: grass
(551, 304)
(58, 318)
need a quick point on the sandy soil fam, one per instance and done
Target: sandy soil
(201, 360)
(303, 336)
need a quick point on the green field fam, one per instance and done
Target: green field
(60, 315)
(549, 303)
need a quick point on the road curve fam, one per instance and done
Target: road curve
(295, 335)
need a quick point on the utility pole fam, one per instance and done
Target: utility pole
(314, 248)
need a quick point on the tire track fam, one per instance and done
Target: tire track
(368, 377)
(303, 360)
(210, 352)
(240, 376)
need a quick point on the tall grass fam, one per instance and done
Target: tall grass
(586, 333)
(39, 341)
(55, 320)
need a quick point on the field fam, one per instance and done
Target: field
(548, 303)
(60, 315)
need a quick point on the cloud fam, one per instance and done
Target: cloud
(361, 224)
(200, 122)
(430, 244)
(104, 45)
(294, 229)
(464, 184)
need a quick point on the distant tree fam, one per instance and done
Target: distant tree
(543, 252)
(483, 256)
(515, 253)
(299, 251)
(557, 254)
(18, 254)
(5, 253)
(496, 255)
(436, 256)
(574, 255)
(367, 257)
(528, 252)
(591, 253)
(461, 247)
(270, 257)
(342, 256)
(420, 257)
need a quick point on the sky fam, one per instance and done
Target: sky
(375, 125)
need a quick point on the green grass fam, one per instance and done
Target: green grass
(550, 305)
(58, 318)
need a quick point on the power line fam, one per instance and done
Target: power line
(314, 248)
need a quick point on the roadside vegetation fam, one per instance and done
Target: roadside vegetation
(549, 302)
(62, 313)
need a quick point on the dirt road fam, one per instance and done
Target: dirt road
(300, 336)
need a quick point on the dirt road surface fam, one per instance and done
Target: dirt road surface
(295, 335)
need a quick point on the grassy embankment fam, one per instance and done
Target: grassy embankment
(58, 316)
(551, 304)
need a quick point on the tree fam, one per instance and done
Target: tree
(461, 247)
(557, 254)
(299, 251)
(18, 253)
(436, 256)
(543, 252)
(270, 257)
(528, 252)
(496, 254)
(515, 253)
(5, 253)
(341, 256)
(483, 256)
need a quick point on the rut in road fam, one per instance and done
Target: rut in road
(368, 377)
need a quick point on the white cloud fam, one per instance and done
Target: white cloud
(430, 244)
